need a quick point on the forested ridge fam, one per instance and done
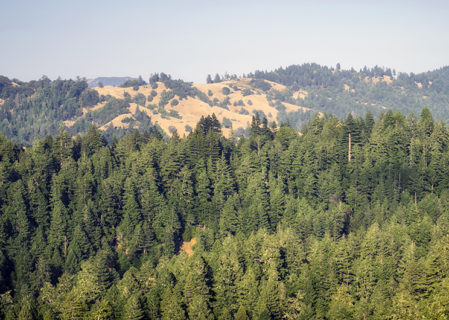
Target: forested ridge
(34, 109)
(348, 220)
(293, 94)
(339, 91)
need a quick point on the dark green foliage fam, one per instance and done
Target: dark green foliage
(112, 109)
(174, 114)
(227, 123)
(166, 96)
(37, 108)
(243, 111)
(174, 102)
(209, 79)
(89, 98)
(179, 87)
(353, 91)
(127, 96)
(286, 225)
(260, 84)
(225, 91)
(225, 103)
(140, 99)
(133, 83)
(34, 109)
(172, 129)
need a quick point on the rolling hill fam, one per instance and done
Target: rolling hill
(293, 94)
(234, 108)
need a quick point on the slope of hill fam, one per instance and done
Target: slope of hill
(340, 91)
(233, 102)
(294, 94)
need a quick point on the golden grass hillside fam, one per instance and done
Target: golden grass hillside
(243, 104)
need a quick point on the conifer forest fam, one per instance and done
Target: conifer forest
(348, 219)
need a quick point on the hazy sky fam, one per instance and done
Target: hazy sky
(190, 39)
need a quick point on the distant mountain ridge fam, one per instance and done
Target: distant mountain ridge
(293, 94)
(108, 81)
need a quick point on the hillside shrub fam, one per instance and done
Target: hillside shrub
(226, 90)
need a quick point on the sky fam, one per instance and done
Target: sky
(191, 39)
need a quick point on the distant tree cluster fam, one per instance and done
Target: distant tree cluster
(218, 78)
(166, 96)
(37, 108)
(341, 91)
(260, 84)
(179, 87)
(140, 99)
(113, 108)
(135, 83)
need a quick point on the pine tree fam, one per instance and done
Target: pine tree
(77, 251)
(133, 308)
(62, 147)
(272, 295)
(171, 307)
(102, 310)
(227, 274)
(39, 202)
(369, 123)
(247, 291)
(230, 221)
(277, 203)
(241, 314)
(18, 211)
(131, 208)
(111, 204)
(167, 228)
(73, 307)
(204, 194)
(171, 161)
(342, 304)
(196, 290)
(92, 141)
(57, 237)
(256, 200)
(223, 185)
(209, 79)
(186, 196)
(27, 309)
(91, 224)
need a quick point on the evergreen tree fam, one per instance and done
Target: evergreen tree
(230, 221)
(171, 307)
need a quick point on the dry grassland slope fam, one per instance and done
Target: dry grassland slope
(239, 111)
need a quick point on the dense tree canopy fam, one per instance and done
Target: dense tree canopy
(282, 225)
(338, 91)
